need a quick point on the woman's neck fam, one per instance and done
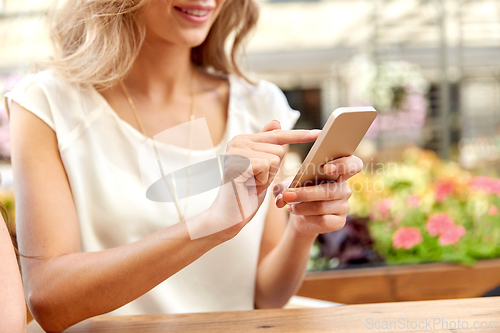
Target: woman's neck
(161, 69)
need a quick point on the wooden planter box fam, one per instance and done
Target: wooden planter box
(402, 283)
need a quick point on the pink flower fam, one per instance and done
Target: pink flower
(406, 238)
(439, 223)
(493, 210)
(384, 207)
(413, 201)
(443, 190)
(451, 235)
(486, 184)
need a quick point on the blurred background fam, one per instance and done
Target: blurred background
(429, 194)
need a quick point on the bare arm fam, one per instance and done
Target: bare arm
(285, 246)
(12, 306)
(282, 260)
(281, 272)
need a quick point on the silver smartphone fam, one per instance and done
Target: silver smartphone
(340, 137)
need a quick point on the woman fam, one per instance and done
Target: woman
(12, 308)
(123, 72)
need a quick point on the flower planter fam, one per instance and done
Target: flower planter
(402, 283)
(427, 216)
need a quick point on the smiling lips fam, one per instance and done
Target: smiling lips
(195, 14)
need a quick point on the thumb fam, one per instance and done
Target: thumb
(271, 126)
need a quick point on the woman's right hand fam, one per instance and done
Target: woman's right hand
(240, 197)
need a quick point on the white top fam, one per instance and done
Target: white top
(99, 151)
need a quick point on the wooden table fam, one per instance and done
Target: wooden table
(403, 317)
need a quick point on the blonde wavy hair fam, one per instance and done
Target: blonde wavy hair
(96, 41)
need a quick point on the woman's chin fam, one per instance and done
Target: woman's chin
(195, 40)
(187, 40)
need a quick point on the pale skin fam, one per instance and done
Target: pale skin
(159, 84)
(12, 308)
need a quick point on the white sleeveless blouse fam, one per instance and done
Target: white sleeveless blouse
(99, 151)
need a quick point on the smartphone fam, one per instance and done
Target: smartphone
(340, 137)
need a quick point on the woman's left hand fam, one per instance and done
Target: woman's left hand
(321, 208)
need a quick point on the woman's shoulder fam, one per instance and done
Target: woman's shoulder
(32, 92)
(263, 101)
(49, 97)
(44, 88)
(45, 80)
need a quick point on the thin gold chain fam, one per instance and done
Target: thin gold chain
(138, 119)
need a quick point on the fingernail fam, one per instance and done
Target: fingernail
(289, 208)
(289, 196)
(315, 131)
(279, 197)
